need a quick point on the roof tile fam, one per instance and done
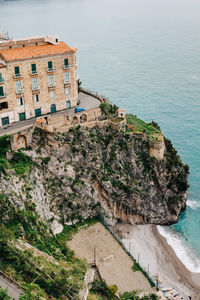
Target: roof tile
(35, 51)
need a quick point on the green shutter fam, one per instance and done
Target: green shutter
(1, 78)
(17, 70)
(5, 121)
(33, 67)
(38, 112)
(53, 108)
(50, 65)
(1, 91)
(66, 62)
(22, 116)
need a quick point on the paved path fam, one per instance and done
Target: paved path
(86, 101)
(12, 290)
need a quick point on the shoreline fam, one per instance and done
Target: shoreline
(148, 246)
(189, 279)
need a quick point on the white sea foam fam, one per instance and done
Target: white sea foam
(183, 251)
(194, 204)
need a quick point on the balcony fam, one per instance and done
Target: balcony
(34, 73)
(20, 91)
(66, 67)
(35, 88)
(51, 85)
(50, 70)
(67, 83)
(1, 80)
(18, 75)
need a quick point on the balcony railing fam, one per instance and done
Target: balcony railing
(18, 75)
(1, 80)
(2, 96)
(49, 70)
(51, 84)
(66, 67)
(19, 91)
(35, 88)
(34, 73)
(67, 82)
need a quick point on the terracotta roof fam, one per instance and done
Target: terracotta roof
(35, 51)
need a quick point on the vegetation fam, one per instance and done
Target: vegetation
(4, 295)
(133, 296)
(101, 291)
(20, 162)
(51, 277)
(108, 109)
(173, 161)
(138, 125)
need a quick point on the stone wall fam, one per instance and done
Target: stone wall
(22, 139)
(157, 149)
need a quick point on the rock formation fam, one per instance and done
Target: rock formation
(105, 171)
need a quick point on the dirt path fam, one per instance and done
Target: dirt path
(114, 264)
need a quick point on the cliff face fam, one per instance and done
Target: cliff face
(107, 171)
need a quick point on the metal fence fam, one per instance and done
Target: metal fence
(120, 241)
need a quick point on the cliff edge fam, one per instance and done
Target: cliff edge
(115, 170)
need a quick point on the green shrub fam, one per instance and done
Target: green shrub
(4, 295)
(108, 109)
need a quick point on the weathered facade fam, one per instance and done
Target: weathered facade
(37, 76)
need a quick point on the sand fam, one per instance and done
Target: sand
(114, 264)
(145, 243)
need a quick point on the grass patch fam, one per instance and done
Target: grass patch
(141, 126)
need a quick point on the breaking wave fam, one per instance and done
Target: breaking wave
(183, 251)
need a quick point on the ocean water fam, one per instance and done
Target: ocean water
(144, 55)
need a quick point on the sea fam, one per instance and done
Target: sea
(144, 55)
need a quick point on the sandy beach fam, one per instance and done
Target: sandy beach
(154, 254)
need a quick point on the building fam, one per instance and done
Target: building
(37, 76)
(121, 113)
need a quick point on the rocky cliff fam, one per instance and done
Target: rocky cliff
(85, 172)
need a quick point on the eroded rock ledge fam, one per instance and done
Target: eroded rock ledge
(89, 171)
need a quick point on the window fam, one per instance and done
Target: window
(52, 95)
(67, 77)
(20, 101)
(1, 78)
(5, 121)
(17, 72)
(50, 66)
(2, 94)
(66, 63)
(53, 108)
(68, 104)
(22, 116)
(38, 112)
(35, 83)
(19, 87)
(33, 69)
(36, 98)
(67, 91)
(3, 105)
(51, 80)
